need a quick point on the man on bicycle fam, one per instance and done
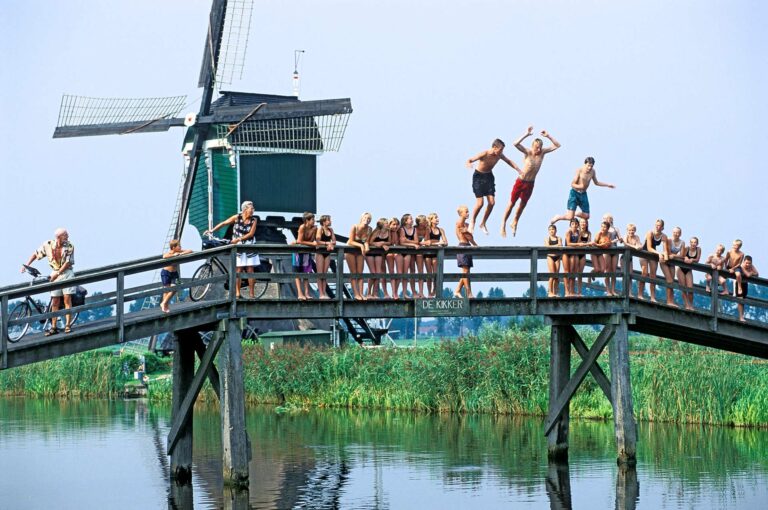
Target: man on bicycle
(61, 257)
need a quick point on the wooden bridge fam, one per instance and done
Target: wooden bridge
(713, 325)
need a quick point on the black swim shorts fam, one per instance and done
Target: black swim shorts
(483, 184)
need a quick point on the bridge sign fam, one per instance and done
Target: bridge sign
(442, 307)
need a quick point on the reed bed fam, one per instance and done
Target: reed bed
(501, 370)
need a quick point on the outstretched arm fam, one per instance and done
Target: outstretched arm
(476, 158)
(555, 144)
(511, 163)
(519, 141)
(228, 221)
(598, 183)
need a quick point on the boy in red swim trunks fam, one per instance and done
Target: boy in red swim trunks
(523, 187)
(484, 183)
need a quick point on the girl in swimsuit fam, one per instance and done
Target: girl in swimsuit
(407, 239)
(464, 260)
(684, 274)
(359, 237)
(417, 262)
(303, 261)
(375, 258)
(632, 240)
(717, 261)
(676, 252)
(435, 237)
(656, 241)
(611, 260)
(243, 232)
(603, 241)
(553, 262)
(585, 239)
(392, 258)
(325, 240)
(571, 262)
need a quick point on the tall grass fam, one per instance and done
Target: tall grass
(90, 374)
(500, 371)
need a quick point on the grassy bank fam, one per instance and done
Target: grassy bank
(503, 371)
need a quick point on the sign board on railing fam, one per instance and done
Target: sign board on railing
(442, 307)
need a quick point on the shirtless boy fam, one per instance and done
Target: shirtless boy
(484, 183)
(746, 269)
(169, 275)
(523, 187)
(716, 261)
(464, 260)
(732, 265)
(585, 175)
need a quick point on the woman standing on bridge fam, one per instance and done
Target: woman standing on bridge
(376, 259)
(359, 237)
(553, 263)
(394, 260)
(407, 239)
(656, 242)
(325, 240)
(435, 237)
(302, 262)
(684, 274)
(243, 232)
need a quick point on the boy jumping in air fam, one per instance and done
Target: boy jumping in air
(484, 183)
(523, 187)
(585, 175)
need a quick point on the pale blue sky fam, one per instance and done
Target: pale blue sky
(667, 96)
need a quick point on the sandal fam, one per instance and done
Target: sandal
(67, 329)
(51, 332)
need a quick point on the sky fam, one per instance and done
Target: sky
(666, 96)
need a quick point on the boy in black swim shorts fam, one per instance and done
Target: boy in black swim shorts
(169, 275)
(484, 183)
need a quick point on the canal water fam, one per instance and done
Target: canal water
(98, 454)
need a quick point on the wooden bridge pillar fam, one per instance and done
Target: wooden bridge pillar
(183, 373)
(234, 440)
(621, 392)
(559, 376)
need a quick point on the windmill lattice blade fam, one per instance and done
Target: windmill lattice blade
(93, 111)
(297, 135)
(234, 41)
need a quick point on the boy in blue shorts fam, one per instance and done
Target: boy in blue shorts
(169, 275)
(585, 175)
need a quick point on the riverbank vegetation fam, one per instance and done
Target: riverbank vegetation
(501, 370)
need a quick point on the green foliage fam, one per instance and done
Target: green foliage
(90, 374)
(154, 363)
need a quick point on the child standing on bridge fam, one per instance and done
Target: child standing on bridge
(169, 275)
(463, 260)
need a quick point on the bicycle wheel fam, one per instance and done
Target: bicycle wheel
(259, 288)
(203, 272)
(16, 331)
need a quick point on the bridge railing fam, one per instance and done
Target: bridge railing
(128, 282)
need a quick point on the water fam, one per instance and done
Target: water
(99, 454)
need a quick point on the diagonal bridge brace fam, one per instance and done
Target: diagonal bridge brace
(595, 369)
(587, 364)
(185, 410)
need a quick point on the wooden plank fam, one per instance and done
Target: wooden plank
(4, 313)
(596, 370)
(183, 413)
(120, 307)
(621, 389)
(183, 372)
(559, 374)
(534, 280)
(564, 397)
(233, 438)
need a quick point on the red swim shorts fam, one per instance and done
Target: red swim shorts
(522, 190)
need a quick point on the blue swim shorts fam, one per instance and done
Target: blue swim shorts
(578, 199)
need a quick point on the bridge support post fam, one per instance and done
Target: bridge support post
(559, 376)
(621, 390)
(183, 373)
(234, 441)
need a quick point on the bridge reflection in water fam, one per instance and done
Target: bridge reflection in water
(712, 324)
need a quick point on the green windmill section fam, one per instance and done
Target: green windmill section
(270, 161)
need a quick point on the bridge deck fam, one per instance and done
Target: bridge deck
(713, 326)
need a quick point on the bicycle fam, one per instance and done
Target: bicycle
(204, 272)
(24, 309)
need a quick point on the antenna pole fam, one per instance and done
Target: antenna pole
(296, 84)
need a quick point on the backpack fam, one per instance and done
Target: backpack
(78, 298)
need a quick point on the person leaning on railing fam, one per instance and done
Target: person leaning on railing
(61, 257)
(243, 232)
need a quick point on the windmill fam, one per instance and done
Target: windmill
(227, 133)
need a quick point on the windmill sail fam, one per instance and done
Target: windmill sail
(90, 116)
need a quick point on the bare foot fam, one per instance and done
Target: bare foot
(470, 296)
(457, 295)
(324, 297)
(484, 229)
(513, 226)
(672, 305)
(165, 308)
(503, 232)
(742, 320)
(471, 228)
